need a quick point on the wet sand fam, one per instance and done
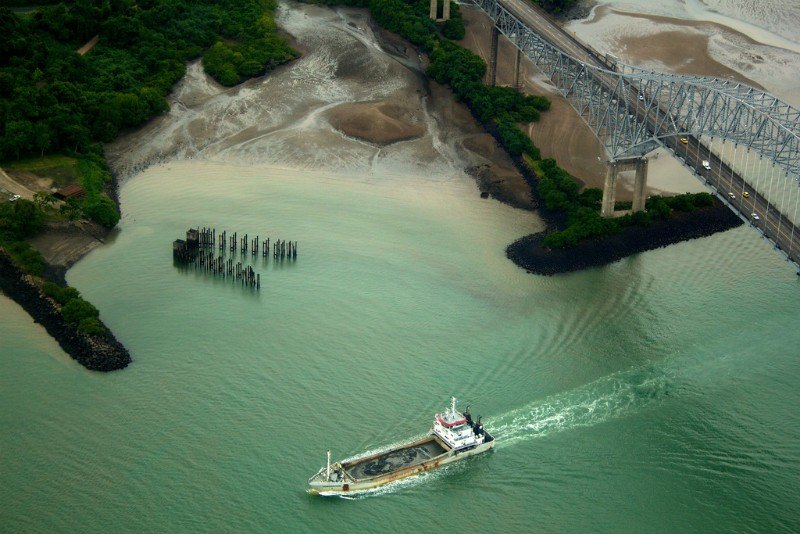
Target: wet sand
(62, 244)
(357, 101)
(683, 49)
(381, 123)
(560, 134)
(686, 46)
(323, 111)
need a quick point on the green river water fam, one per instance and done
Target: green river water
(659, 393)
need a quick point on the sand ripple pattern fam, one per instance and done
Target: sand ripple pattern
(281, 119)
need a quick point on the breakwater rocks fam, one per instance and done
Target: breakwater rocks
(97, 353)
(528, 253)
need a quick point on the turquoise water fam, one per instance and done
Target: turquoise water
(658, 393)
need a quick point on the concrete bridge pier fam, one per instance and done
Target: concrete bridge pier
(639, 186)
(434, 10)
(517, 67)
(493, 57)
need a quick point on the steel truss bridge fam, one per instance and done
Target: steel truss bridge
(755, 165)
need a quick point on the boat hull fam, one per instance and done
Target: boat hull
(322, 487)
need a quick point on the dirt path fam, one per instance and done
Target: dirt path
(7, 184)
(89, 45)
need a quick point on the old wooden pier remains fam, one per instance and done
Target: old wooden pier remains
(198, 251)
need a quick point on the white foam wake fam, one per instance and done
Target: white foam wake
(605, 399)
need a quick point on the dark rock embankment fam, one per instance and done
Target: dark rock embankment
(528, 253)
(97, 353)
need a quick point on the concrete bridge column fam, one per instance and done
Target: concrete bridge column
(640, 185)
(609, 190)
(610, 187)
(434, 10)
(517, 67)
(493, 57)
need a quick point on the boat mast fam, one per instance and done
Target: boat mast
(328, 468)
(453, 406)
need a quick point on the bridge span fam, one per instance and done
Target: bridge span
(741, 141)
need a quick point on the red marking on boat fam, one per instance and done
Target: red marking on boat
(450, 425)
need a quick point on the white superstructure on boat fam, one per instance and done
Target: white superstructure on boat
(454, 436)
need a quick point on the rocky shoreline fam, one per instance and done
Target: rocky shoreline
(528, 253)
(96, 353)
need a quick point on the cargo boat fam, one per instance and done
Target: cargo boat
(454, 436)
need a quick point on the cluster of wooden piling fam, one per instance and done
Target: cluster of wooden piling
(218, 266)
(283, 249)
(198, 250)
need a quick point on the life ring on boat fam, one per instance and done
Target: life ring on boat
(346, 487)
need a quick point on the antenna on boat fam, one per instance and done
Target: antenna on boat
(453, 406)
(328, 467)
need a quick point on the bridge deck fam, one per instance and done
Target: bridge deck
(721, 177)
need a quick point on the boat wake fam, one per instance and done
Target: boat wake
(608, 398)
(611, 397)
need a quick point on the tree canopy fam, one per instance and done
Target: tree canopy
(52, 98)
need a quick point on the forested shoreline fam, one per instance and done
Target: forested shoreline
(58, 107)
(55, 99)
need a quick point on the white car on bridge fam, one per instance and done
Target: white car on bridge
(706, 165)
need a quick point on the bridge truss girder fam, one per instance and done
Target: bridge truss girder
(632, 110)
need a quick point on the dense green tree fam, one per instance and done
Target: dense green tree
(77, 309)
(103, 210)
(26, 257)
(91, 326)
(557, 6)
(61, 294)
(55, 99)
(27, 218)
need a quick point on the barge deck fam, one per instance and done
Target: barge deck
(395, 460)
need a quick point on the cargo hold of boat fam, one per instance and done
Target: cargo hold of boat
(454, 436)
